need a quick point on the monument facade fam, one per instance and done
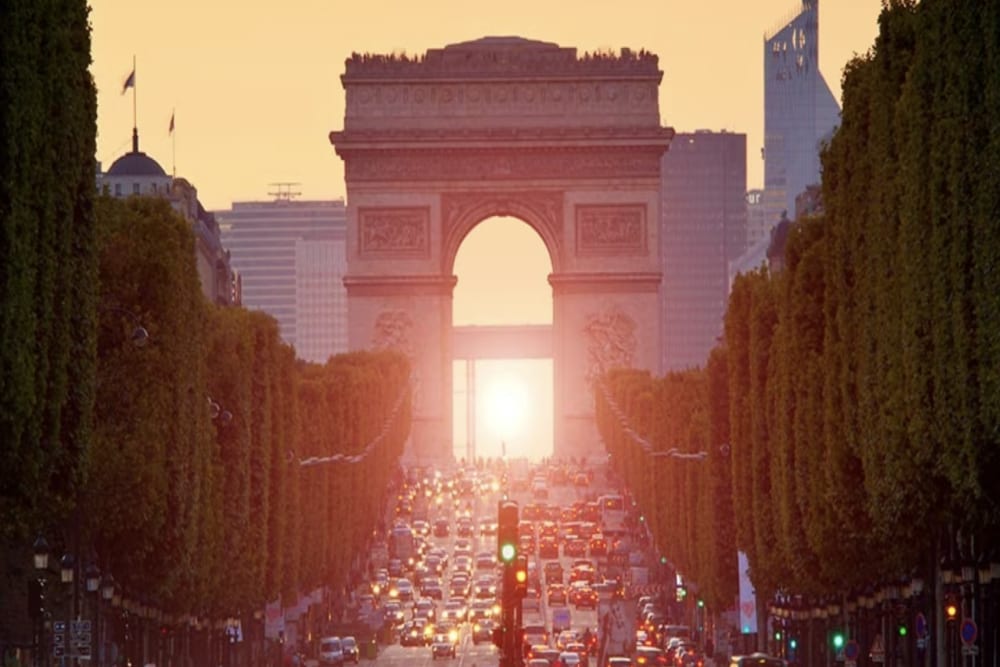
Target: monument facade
(503, 126)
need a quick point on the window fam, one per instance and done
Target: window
(135, 188)
(118, 189)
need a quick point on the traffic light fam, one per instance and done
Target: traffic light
(950, 607)
(837, 640)
(521, 577)
(507, 532)
(901, 628)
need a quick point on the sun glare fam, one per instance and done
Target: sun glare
(506, 405)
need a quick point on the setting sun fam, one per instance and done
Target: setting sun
(506, 406)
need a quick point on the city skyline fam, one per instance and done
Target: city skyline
(271, 97)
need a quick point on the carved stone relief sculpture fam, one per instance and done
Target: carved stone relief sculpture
(611, 341)
(611, 229)
(394, 232)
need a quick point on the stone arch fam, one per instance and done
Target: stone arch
(462, 212)
(503, 126)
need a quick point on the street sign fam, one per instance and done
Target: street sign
(851, 650)
(920, 624)
(877, 653)
(968, 631)
(970, 650)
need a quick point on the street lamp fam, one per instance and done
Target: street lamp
(139, 335)
(66, 568)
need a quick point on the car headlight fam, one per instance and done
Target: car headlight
(453, 635)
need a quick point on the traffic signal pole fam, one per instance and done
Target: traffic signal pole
(508, 548)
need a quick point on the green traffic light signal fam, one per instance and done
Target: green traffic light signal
(793, 643)
(507, 552)
(902, 630)
(838, 640)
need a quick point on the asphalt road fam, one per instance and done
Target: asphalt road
(469, 654)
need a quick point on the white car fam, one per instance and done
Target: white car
(331, 651)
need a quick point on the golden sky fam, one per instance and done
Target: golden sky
(256, 89)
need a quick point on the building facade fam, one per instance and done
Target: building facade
(703, 229)
(800, 112)
(291, 257)
(137, 174)
(320, 295)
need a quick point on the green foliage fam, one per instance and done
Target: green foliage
(209, 511)
(48, 115)
(862, 384)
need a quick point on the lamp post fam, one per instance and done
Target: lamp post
(36, 596)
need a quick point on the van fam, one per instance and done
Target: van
(331, 651)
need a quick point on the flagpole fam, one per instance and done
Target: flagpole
(173, 142)
(135, 124)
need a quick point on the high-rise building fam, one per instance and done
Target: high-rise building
(703, 228)
(800, 112)
(292, 257)
(320, 296)
(757, 227)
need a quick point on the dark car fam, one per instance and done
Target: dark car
(412, 633)
(444, 646)
(350, 647)
(482, 631)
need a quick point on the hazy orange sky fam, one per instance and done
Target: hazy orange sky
(256, 90)
(256, 86)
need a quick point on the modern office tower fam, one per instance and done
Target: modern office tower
(800, 112)
(757, 227)
(279, 247)
(320, 295)
(136, 174)
(703, 228)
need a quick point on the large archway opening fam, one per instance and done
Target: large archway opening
(502, 390)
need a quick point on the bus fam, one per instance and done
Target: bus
(612, 513)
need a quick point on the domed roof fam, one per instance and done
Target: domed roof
(136, 163)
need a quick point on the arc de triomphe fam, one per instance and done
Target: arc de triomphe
(503, 126)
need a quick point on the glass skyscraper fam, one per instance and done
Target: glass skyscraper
(292, 257)
(800, 112)
(703, 228)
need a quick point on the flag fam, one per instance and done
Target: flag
(129, 82)
(171, 130)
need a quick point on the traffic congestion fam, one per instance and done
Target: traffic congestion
(434, 584)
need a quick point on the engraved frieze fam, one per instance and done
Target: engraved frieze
(394, 232)
(501, 165)
(605, 229)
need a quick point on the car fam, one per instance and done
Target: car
(535, 635)
(424, 608)
(567, 637)
(350, 647)
(413, 633)
(650, 656)
(575, 548)
(393, 614)
(548, 548)
(553, 572)
(442, 528)
(618, 661)
(444, 646)
(331, 651)
(557, 594)
(402, 590)
(482, 630)
(570, 659)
